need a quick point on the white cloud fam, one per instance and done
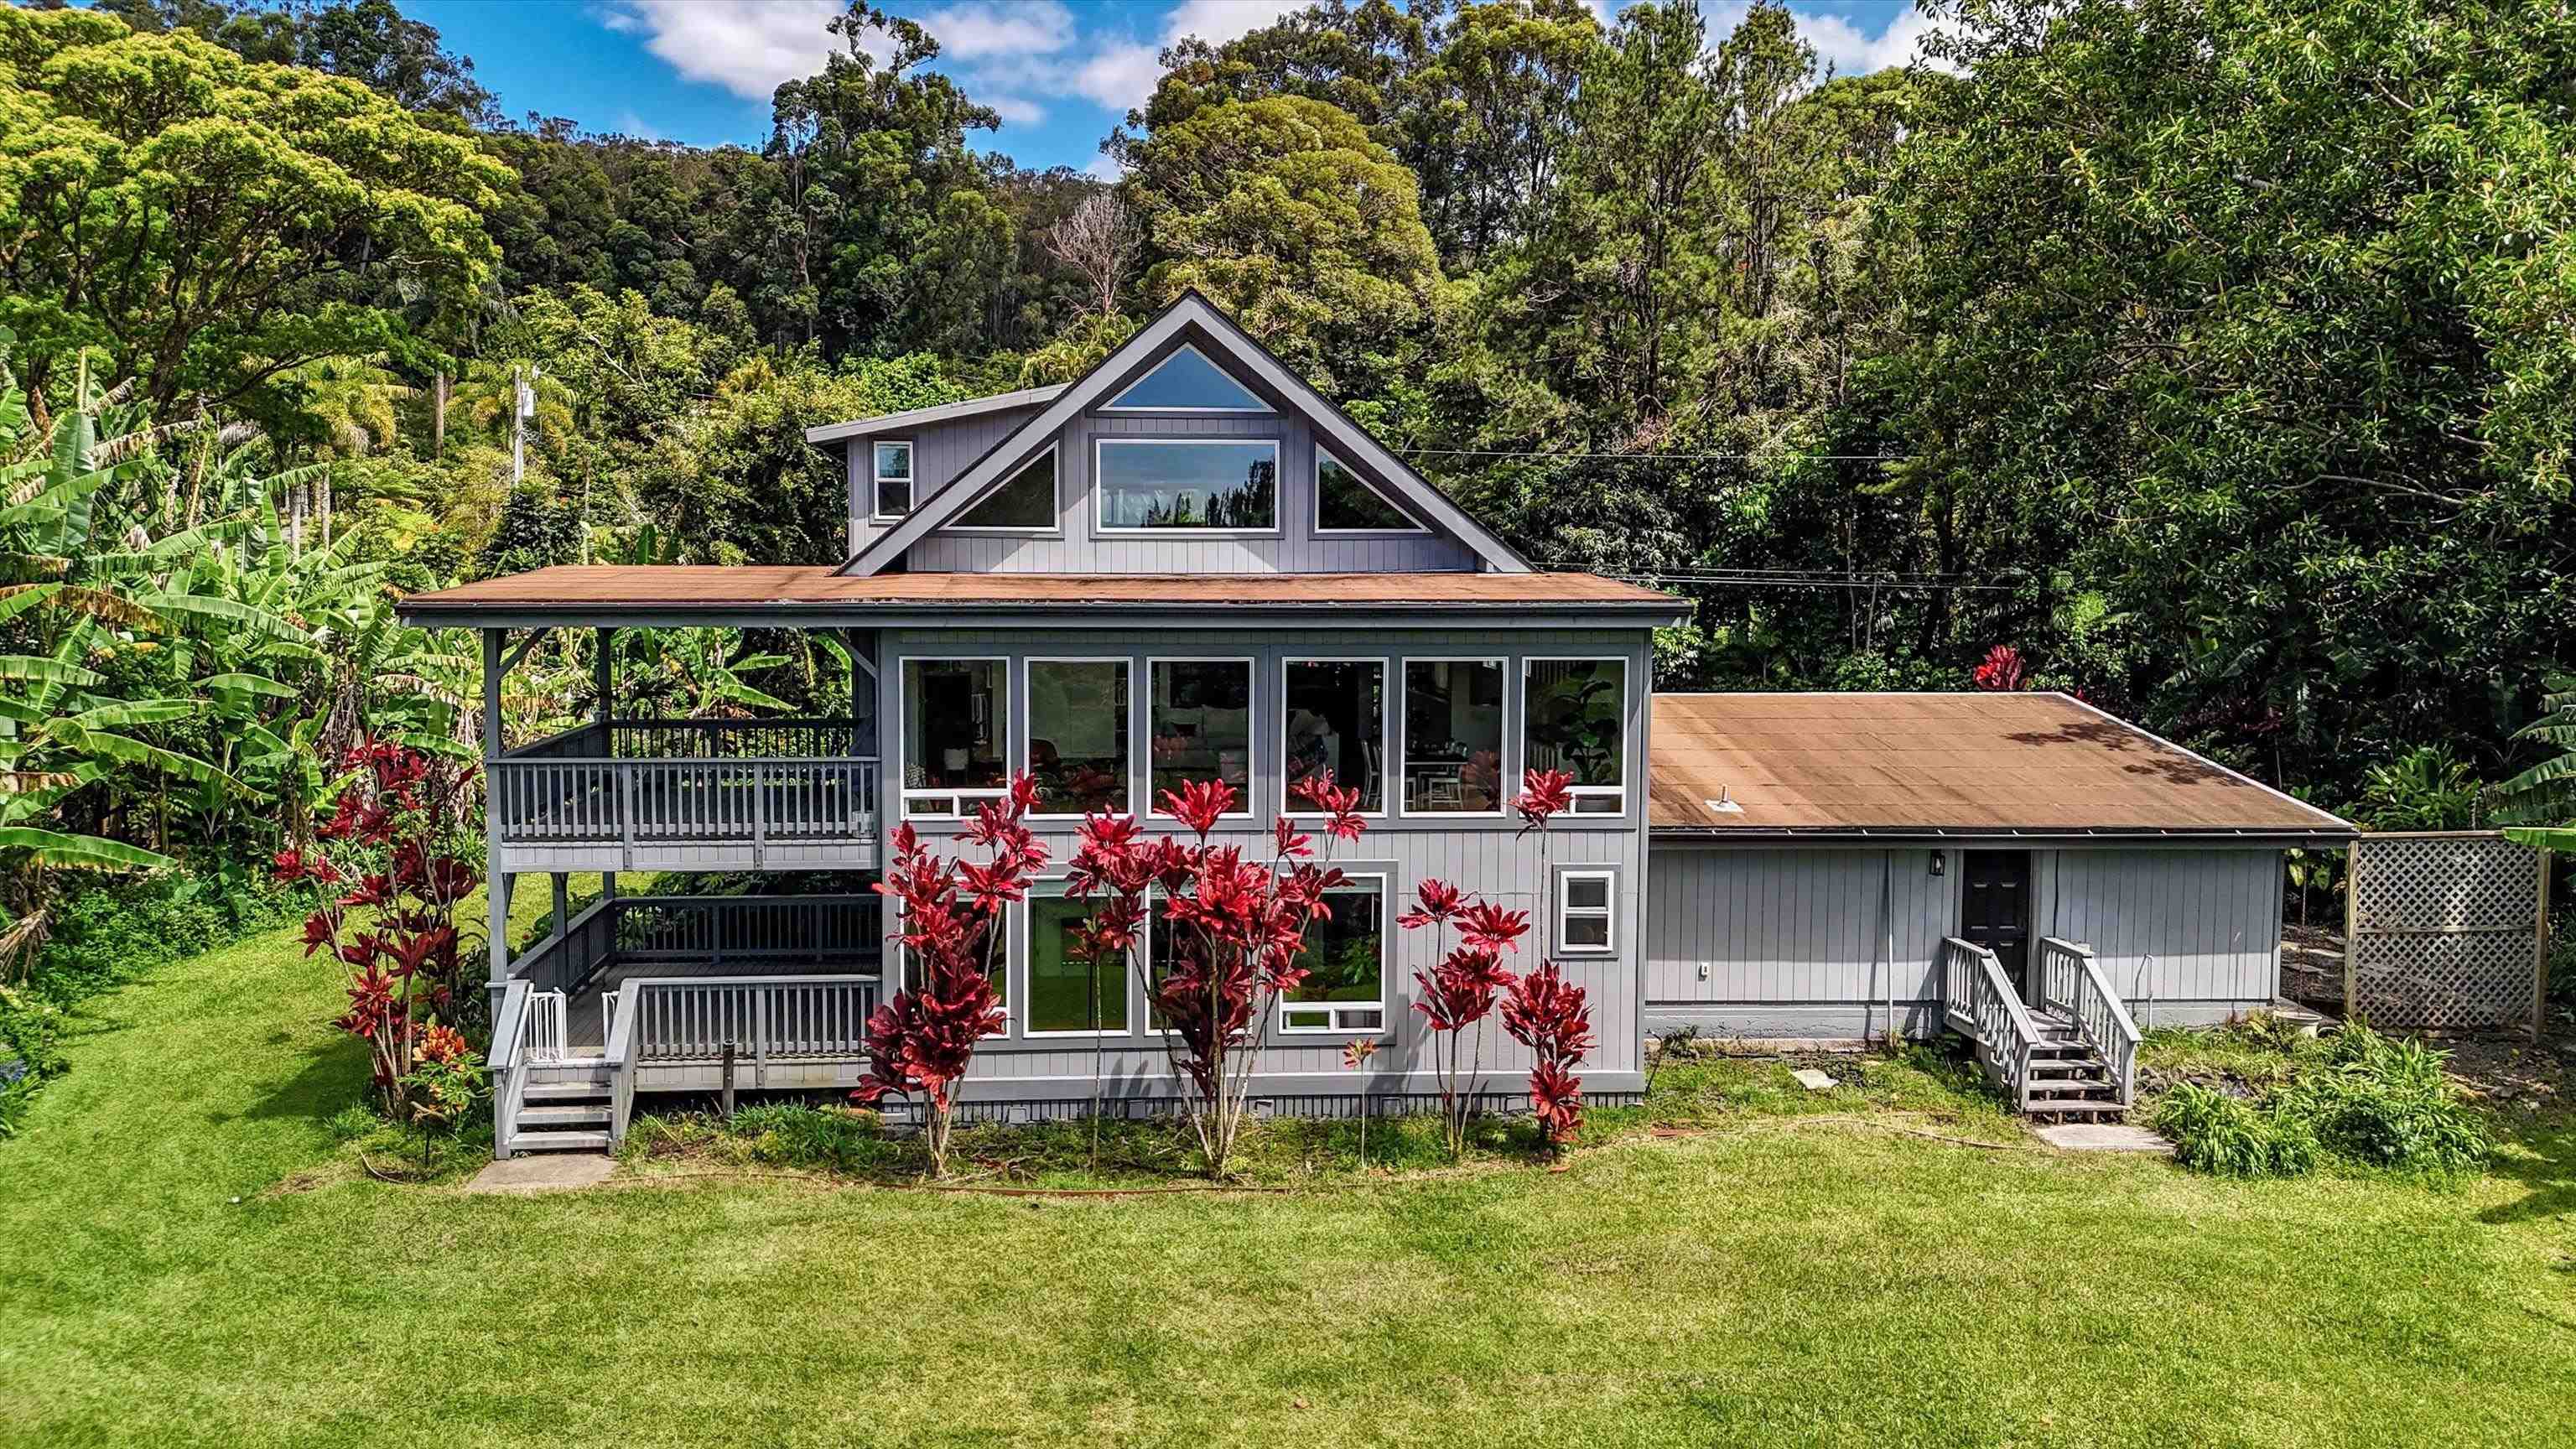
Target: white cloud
(1105, 167)
(987, 29)
(746, 46)
(1014, 110)
(1851, 50)
(1122, 73)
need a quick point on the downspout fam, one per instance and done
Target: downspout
(1887, 937)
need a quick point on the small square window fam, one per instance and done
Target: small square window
(1584, 912)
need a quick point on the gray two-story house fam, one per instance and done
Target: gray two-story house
(1186, 565)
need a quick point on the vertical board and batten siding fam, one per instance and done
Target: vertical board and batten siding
(944, 450)
(1794, 943)
(940, 452)
(1487, 856)
(2210, 918)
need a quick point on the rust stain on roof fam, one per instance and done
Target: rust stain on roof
(708, 586)
(1924, 762)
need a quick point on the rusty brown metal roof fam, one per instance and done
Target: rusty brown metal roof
(1943, 764)
(594, 589)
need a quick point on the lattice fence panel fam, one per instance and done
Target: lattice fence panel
(2444, 928)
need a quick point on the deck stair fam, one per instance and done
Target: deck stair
(2070, 1052)
(564, 1107)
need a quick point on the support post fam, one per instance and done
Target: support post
(496, 884)
(2351, 921)
(603, 682)
(563, 900)
(2540, 954)
(608, 885)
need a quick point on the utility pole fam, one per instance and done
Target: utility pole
(523, 407)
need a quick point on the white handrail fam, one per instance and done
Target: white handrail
(509, 1073)
(2099, 1013)
(542, 1039)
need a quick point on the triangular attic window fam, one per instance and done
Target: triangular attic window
(1187, 382)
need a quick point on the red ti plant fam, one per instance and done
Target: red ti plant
(1545, 1012)
(393, 924)
(1237, 928)
(2002, 669)
(921, 1042)
(1457, 993)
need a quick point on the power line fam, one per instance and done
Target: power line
(1653, 457)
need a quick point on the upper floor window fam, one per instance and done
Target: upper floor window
(1201, 718)
(1453, 736)
(1078, 734)
(1185, 483)
(1186, 382)
(1345, 502)
(1336, 723)
(892, 479)
(1026, 503)
(1573, 718)
(952, 734)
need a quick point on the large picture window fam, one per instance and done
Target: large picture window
(1153, 485)
(892, 479)
(1336, 722)
(1025, 504)
(952, 734)
(1201, 718)
(1573, 718)
(1078, 721)
(1068, 994)
(1345, 961)
(1453, 736)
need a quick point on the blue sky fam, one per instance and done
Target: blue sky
(1061, 72)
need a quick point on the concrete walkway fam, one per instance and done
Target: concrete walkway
(544, 1172)
(2102, 1137)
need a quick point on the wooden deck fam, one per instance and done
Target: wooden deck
(689, 795)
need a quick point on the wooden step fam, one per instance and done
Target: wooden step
(2055, 1108)
(590, 1073)
(584, 1116)
(2067, 1087)
(559, 1141)
(566, 1092)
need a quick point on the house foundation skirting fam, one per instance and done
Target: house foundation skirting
(1851, 1021)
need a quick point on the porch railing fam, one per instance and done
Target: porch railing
(774, 929)
(648, 782)
(683, 1021)
(2071, 981)
(527, 1031)
(1979, 998)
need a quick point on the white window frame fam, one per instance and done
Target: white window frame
(1618, 792)
(1385, 966)
(1323, 456)
(1040, 890)
(877, 480)
(1052, 530)
(1114, 406)
(1607, 912)
(1404, 742)
(1100, 492)
(958, 809)
(1288, 803)
(1028, 730)
(1251, 734)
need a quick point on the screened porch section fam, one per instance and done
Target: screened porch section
(689, 794)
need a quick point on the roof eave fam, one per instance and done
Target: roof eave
(1027, 397)
(2245, 835)
(897, 612)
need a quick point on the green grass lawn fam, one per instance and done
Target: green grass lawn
(192, 1257)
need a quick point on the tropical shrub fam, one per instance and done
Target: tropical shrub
(1238, 929)
(2386, 1102)
(922, 1040)
(397, 844)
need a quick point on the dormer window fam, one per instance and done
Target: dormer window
(1026, 504)
(892, 477)
(1186, 484)
(1186, 382)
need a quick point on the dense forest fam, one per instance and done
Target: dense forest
(2208, 357)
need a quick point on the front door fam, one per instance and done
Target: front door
(1994, 909)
